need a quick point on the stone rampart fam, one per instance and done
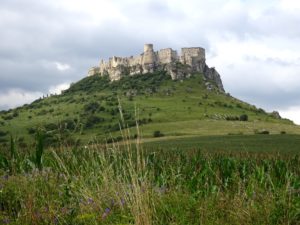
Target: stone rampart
(167, 55)
(191, 60)
(188, 55)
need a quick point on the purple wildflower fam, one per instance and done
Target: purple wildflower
(55, 221)
(122, 201)
(37, 214)
(90, 201)
(47, 209)
(106, 213)
(6, 221)
(64, 210)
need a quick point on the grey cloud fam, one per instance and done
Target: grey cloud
(272, 60)
(257, 87)
(263, 94)
(158, 7)
(277, 100)
(278, 22)
(151, 11)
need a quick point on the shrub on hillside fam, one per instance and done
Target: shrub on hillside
(260, 110)
(157, 133)
(8, 117)
(131, 123)
(114, 111)
(261, 132)
(69, 124)
(144, 121)
(244, 117)
(42, 112)
(4, 142)
(31, 130)
(15, 114)
(50, 126)
(232, 118)
(127, 116)
(3, 133)
(114, 139)
(238, 105)
(113, 127)
(93, 120)
(91, 107)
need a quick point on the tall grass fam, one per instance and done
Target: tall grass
(39, 150)
(123, 183)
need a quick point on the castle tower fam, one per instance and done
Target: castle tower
(149, 55)
(148, 48)
(191, 55)
(195, 57)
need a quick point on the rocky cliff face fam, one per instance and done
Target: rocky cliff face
(191, 60)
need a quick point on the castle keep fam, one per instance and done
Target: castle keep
(190, 61)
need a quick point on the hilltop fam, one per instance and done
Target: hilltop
(192, 60)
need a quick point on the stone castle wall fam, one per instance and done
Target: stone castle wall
(190, 55)
(149, 56)
(167, 56)
(148, 60)
(167, 59)
(94, 70)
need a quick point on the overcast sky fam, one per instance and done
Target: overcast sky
(254, 44)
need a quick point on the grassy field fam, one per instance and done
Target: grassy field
(241, 179)
(281, 143)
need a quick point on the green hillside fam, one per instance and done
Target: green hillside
(89, 110)
(203, 157)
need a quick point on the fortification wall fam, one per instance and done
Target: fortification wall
(149, 60)
(116, 61)
(166, 56)
(93, 71)
(148, 48)
(189, 55)
(135, 60)
(104, 66)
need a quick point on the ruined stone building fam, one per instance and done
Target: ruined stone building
(191, 60)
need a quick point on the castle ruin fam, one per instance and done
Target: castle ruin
(191, 60)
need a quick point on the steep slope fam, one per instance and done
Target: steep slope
(89, 110)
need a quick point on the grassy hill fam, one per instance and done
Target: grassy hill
(90, 110)
(205, 157)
